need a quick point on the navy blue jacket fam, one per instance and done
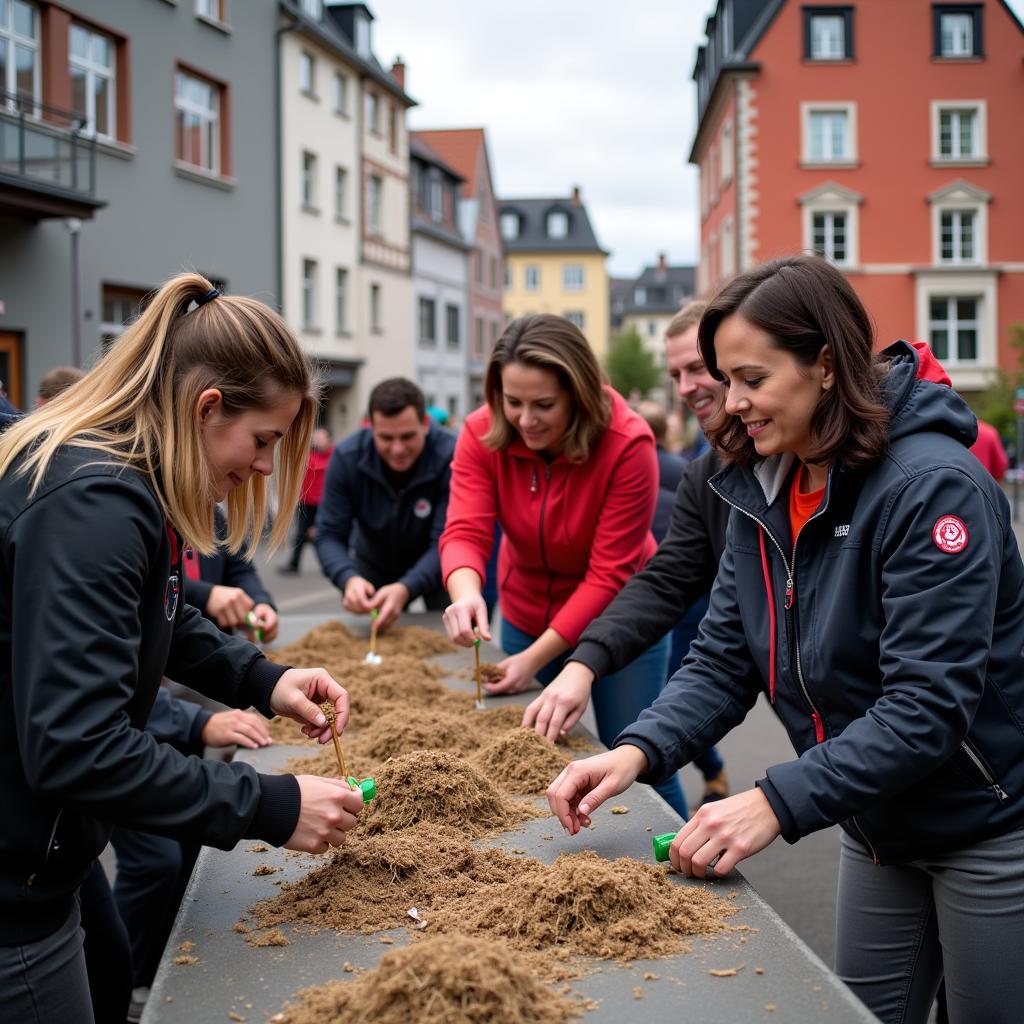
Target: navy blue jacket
(898, 641)
(670, 473)
(393, 537)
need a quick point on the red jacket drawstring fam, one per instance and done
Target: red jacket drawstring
(771, 616)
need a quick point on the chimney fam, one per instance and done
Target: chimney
(398, 72)
(576, 200)
(662, 263)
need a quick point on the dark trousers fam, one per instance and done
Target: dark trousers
(305, 517)
(108, 955)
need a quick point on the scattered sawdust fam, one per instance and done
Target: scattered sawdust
(638, 992)
(242, 929)
(187, 946)
(454, 980)
(258, 848)
(184, 961)
(620, 809)
(276, 937)
(265, 869)
(726, 972)
(521, 761)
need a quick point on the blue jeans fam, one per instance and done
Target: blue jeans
(618, 698)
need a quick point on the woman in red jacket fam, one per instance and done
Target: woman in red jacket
(570, 473)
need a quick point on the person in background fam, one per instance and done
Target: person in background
(312, 495)
(54, 381)
(989, 451)
(384, 506)
(570, 473)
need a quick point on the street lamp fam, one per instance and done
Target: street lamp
(74, 226)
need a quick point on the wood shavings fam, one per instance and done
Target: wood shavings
(184, 961)
(259, 848)
(620, 809)
(265, 869)
(187, 946)
(726, 972)
(271, 938)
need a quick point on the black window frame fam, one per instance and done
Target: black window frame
(976, 12)
(846, 11)
(453, 337)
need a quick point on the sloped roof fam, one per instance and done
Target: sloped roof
(459, 148)
(420, 148)
(533, 236)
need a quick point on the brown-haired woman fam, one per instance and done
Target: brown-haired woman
(570, 473)
(101, 491)
(873, 587)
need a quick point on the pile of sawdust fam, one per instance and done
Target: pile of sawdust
(521, 761)
(435, 786)
(451, 980)
(587, 905)
(333, 641)
(397, 732)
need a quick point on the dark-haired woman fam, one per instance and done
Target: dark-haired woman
(570, 473)
(873, 587)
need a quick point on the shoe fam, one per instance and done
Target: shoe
(716, 788)
(138, 1003)
(288, 570)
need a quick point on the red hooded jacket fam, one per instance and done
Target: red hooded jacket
(573, 533)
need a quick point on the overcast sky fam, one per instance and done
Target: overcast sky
(583, 92)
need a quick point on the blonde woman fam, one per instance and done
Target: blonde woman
(101, 491)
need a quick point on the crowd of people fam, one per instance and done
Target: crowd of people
(831, 543)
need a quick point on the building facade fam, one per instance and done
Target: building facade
(804, 144)
(554, 264)
(465, 150)
(653, 299)
(146, 149)
(440, 259)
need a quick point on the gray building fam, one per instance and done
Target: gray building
(137, 140)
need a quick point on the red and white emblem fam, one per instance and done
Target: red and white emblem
(950, 534)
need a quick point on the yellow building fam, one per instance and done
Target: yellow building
(554, 264)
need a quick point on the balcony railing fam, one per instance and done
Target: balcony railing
(45, 144)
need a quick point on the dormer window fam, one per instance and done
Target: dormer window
(510, 226)
(313, 9)
(558, 224)
(363, 42)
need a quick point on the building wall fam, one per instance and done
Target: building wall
(551, 297)
(159, 220)
(718, 193)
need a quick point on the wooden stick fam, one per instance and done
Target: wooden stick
(328, 709)
(479, 686)
(373, 629)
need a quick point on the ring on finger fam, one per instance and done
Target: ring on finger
(709, 871)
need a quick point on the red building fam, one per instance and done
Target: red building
(886, 136)
(465, 151)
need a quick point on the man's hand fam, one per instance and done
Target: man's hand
(266, 622)
(390, 599)
(358, 594)
(584, 785)
(228, 606)
(329, 808)
(299, 694)
(519, 670)
(242, 728)
(562, 703)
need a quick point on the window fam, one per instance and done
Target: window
(309, 274)
(726, 162)
(508, 276)
(375, 189)
(19, 51)
(829, 236)
(572, 277)
(341, 300)
(451, 317)
(828, 33)
(558, 224)
(509, 226)
(478, 346)
(728, 253)
(494, 271)
(215, 10)
(393, 127)
(958, 131)
(307, 73)
(363, 42)
(953, 324)
(831, 225)
(197, 138)
(340, 193)
(957, 30)
(120, 307)
(829, 133)
(428, 322)
(375, 322)
(575, 317)
(313, 9)
(956, 236)
(91, 64)
(640, 295)
(436, 193)
(309, 181)
(532, 277)
(340, 94)
(478, 266)
(372, 112)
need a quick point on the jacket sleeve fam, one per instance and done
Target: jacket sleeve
(681, 572)
(424, 577)
(623, 526)
(240, 572)
(197, 593)
(939, 610)
(468, 534)
(334, 519)
(75, 659)
(715, 687)
(178, 722)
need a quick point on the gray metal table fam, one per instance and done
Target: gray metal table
(231, 977)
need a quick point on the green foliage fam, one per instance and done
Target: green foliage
(631, 367)
(995, 403)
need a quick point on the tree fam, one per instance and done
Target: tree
(995, 403)
(631, 367)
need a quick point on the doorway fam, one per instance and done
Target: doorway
(10, 366)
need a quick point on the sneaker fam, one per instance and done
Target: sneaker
(138, 1003)
(716, 788)
(288, 570)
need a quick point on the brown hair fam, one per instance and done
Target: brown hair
(804, 304)
(141, 408)
(393, 395)
(689, 315)
(656, 418)
(550, 343)
(59, 379)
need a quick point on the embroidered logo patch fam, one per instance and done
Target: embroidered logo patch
(171, 592)
(950, 534)
(421, 509)
(843, 530)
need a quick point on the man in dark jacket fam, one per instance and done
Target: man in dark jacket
(384, 506)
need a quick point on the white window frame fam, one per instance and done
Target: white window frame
(849, 157)
(307, 73)
(726, 163)
(309, 180)
(11, 41)
(309, 288)
(340, 192)
(371, 103)
(961, 223)
(435, 194)
(509, 226)
(577, 317)
(829, 223)
(833, 198)
(957, 51)
(728, 250)
(213, 10)
(573, 277)
(341, 299)
(979, 109)
(375, 308)
(208, 116)
(557, 217)
(93, 71)
(957, 197)
(531, 278)
(375, 204)
(639, 295)
(951, 358)
(822, 16)
(453, 344)
(341, 91)
(426, 321)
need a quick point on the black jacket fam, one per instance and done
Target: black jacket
(899, 640)
(679, 573)
(392, 536)
(91, 618)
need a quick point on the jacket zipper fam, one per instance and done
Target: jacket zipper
(540, 535)
(49, 847)
(1000, 793)
(867, 842)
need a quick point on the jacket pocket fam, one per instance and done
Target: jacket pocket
(980, 769)
(51, 845)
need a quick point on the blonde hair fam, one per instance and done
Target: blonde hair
(137, 407)
(689, 315)
(556, 344)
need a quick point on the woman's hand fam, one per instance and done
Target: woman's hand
(562, 703)
(729, 830)
(266, 622)
(298, 694)
(241, 728)
(228, 606)
(390, 600)
(330, 807)
(584, 785)
(519, 669)
(357, 596)
(465, 614)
